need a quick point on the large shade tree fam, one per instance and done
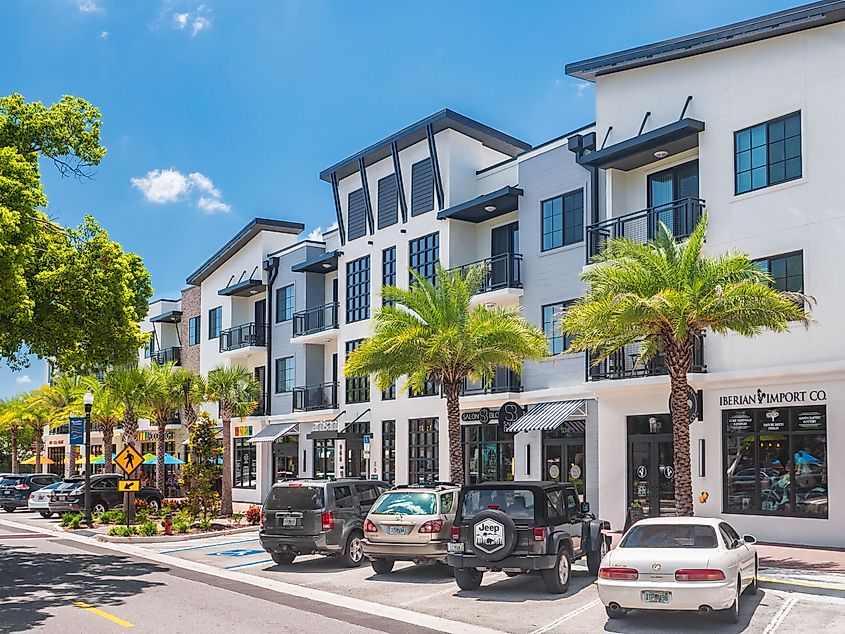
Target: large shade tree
(431, 332)
(663, 294)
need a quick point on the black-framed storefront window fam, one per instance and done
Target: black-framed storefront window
(285, 458)
(388, 450)
(488, 454)
(243, 464)
(775, 461)
(57, 455)
(324, 458)
(564, 454)
(423, 449)
(358, 289)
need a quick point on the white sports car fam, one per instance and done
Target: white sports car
(678, 563)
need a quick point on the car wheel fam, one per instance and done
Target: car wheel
(353, 554)
(594, 557)
(615, 613)
(382, 566)
(731, 615)
(468, 578)
(99, 507)
(752, 587)
(46, 514)
(154, 504)
(9, 509)
(284, 558)
(556, 579)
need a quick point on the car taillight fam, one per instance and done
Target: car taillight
(22, 487)
(493, 507)
(432, 526)
(699, 574)
(328, 521)
(455, 532)
(369, 527)
(539, 534)
(619, 574)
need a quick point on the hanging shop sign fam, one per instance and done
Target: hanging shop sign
(151, 435)
(761, 397)
(694, 402)
(325, 425)
(484, 415)
(243, 431)
(510, 412)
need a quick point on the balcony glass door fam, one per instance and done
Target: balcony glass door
(668, 186)
(504, 241)
(260, 320)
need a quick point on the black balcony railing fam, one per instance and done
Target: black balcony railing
(680, 216)
(316, 319)
(500, 271)
(243, 336)
(310, 397)
(503, 381)
(624, 363)
(166, 355)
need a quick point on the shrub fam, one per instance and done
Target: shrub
(204, 524)
(181, 526)
(140, 504)
(112, 517)
(71, 520)
(253, 515)
(237, 518)
(142, 516)
(201, 472)
(123, 531)
(149, 528)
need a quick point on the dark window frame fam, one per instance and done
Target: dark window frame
(556, 335)
(215, 322)
(285, 378)
(423, 256)
(388, 270)
(567, 230)
(388, 450)
(285, 303)
(784, 256)
(357, 389)
(241, 449)
(358, 289)
(772, 155)
(194, 330)
(423, 450)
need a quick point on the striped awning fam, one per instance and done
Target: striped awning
(548, 416)
(272, 432)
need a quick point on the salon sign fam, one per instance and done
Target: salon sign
(761, 397)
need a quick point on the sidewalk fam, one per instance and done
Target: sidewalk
(802, 558)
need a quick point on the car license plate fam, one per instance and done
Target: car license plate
(7, 492)
(650, 596)
(289, 521)
(395, 530)
(455, 548)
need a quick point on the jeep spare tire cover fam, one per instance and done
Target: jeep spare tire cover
(492, 535)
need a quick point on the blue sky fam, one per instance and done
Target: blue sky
(219, 111)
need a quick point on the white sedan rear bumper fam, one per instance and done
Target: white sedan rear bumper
(719, 595)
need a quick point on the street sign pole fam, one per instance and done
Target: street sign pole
(129, 460)
(86, 516)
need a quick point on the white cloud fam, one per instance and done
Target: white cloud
(199, 24)
(203, 182)
(581, 87)
(199, 20)
(181, 20)
(213, 205)
(104, 34)
(23, 379)
(171, 185)
(316, 234)
(88, 6)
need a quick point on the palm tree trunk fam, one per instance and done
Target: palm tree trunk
(108, 446)
(456, 448)
(678, 362)
(39, 447)
(70, 467)
(161, 423)
(13, 432)
(226, 489)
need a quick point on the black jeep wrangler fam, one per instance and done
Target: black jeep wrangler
(523, 527)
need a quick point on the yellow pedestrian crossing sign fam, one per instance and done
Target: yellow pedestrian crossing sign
(128, 485)
(129, 459)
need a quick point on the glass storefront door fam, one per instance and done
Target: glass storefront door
(651, 470)
(324, 458)
(563, 454)
(488, 454)
(285, 458)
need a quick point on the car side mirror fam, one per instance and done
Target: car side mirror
(749, 539)
(585, 507)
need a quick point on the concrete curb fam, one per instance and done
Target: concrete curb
(172, 538)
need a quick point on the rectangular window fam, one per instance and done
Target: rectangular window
(422, 187)
(551, 326)
(215, 322)
(423, 255)
(388, 269)
(787, 270)
(285, 302)
(285, 375)
(423, 461)
(358, 289)
(563, 220)
(389, 394)
(243, 464)
(194, 331)
(150, 348)
(768, 153)
(775, 461)
(388, 450)
(324, 459)
(388, 201)
(357, 389)
(357, 213)
(431, 388)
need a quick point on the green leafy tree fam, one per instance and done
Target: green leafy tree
(430, 332)
(107, 413)
(237, 392)
(63, 399)
(11, 414)
(663, 294)
(191, 392)
(37, 417)
(164, 400)
(71, 295)
(202, 471)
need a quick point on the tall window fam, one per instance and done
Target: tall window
(243, 476)
(357, 389)
(388, 450)
(323, 459)
(563, 220)
(787, 270)
(422, 187)
(388, 269)
(284, 375)
(285, 301)
(768, 153)
(424, 253)
(215, 322)
(194, 331)
(551, 326)
(358, 289)
(423, 462)
(388, 201)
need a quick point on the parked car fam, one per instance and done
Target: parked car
(16, 488)
(522, 527)
(70, 497)
(679, 563)
(410, 523)
(39, 500)
(301, 517)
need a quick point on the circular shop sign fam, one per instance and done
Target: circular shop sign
(575, 472)
(642, 472)
(554, 471)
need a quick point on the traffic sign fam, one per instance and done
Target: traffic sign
(366, 439)
(125, 486)
(129, 459)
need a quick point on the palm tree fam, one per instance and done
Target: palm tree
(237, 392)
(131, 387)
(192, 394)
(11, 414)
(64, 399)
(429, 332)
(107, 413)
(663, 294)
(37, 417)
(164, 401)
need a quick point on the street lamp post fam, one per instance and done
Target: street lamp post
(88, 400)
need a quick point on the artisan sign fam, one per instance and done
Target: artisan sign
(772, 398)
(325, 425)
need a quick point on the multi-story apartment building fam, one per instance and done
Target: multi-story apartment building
(741, 121)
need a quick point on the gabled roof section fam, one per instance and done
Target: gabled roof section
(808, 16)
(252, 229)
(414, 133)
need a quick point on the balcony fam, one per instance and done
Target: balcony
(167, 355)
(308, 398)
(502, 280)
(624, 364)
(316, 325)
(504, 381)
(680, 216)
(243, 337)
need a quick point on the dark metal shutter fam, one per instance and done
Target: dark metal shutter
(388, 201)
(357, 214)
(422, 187)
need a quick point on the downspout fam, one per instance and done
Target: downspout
(271, 265)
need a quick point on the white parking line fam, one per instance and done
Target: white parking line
(566, 617)
(780, 615)
(450, 590)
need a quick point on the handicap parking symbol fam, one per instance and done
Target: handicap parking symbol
(237, 552)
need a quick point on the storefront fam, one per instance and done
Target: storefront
(283, 440)
(243, 458)
(339, 449)
(56, 452)
(651, 471)
(148, 439)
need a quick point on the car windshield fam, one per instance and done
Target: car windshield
(11, 481)
(516, 503)
(670, 536)
(300, 498)
(406, 504)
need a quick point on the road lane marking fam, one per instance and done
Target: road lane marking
(105, 615)
(780, 615)
(251, 563)
(449, 590)
(805, 584)
(566, 617)
(201, 546)
(23, 536)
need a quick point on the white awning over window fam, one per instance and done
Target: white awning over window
(548, 416)
(275, 431)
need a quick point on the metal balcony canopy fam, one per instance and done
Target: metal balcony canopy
(170, 317)
(637, 151)
(548, 416)
(325, 263)
(274, 432)
(502, 201)
(245, 288)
